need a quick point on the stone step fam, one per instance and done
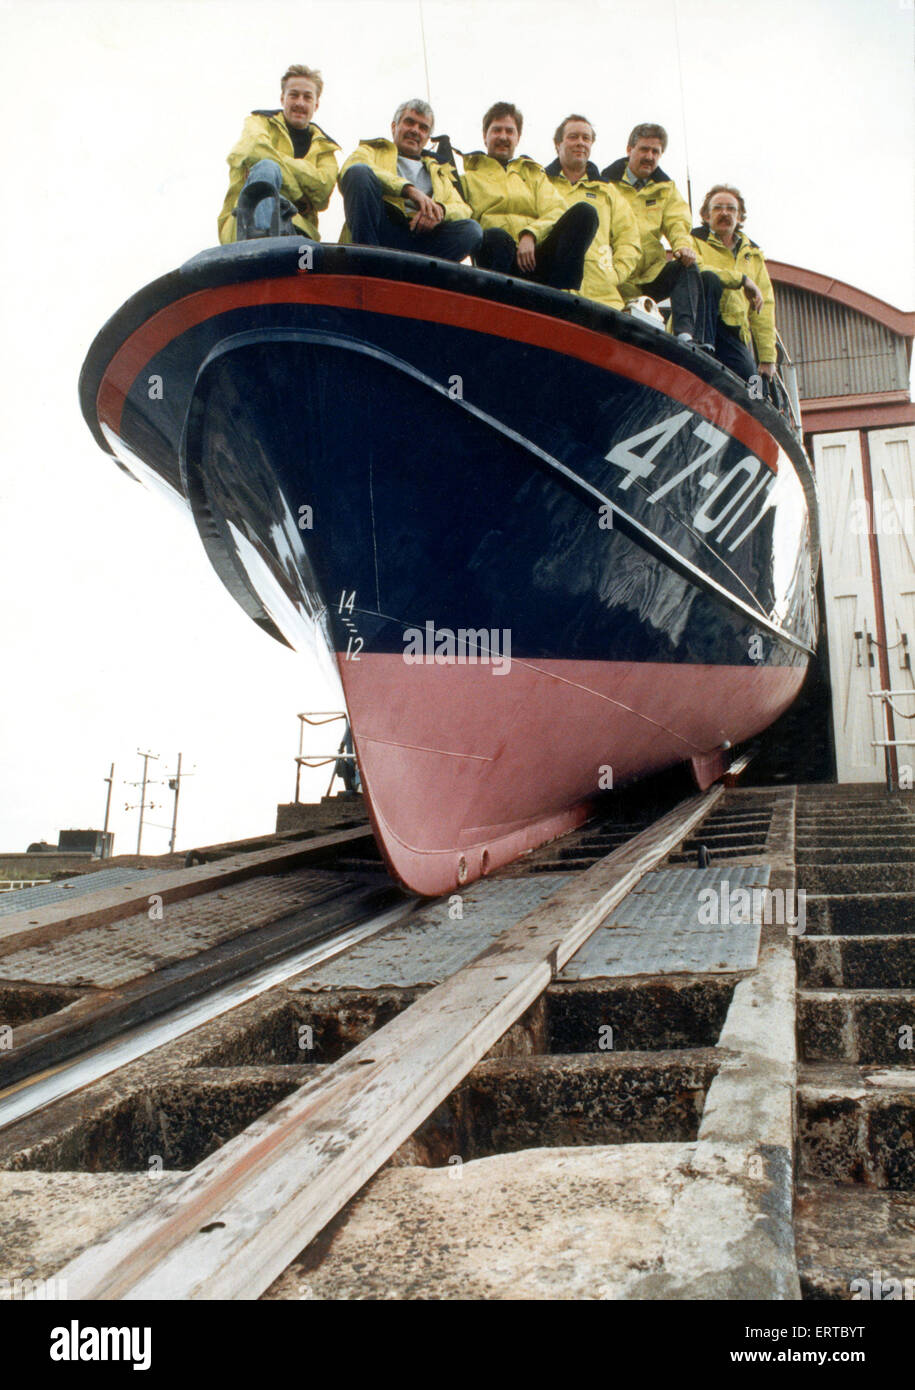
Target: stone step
(869, 811)
(761, 818)
(856, 962)
(853, 855)
(854, 1242)
(857, 1125)
(864, 820)
(886, 877)
(647, 1013)
(723, 839)
(859, 914)
(841, 839)
(857, 1025)
(514, 1103)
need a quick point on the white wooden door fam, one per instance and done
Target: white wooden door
(892, 454)
(849, 593)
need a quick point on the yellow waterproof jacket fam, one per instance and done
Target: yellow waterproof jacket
(659, 210)
(616, 249)
(307, 182)
(517, 196)
(381, 156)
(731, 265)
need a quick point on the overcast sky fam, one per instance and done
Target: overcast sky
(119, 114)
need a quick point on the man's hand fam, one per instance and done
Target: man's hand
(753, 294)
(428, 214)
(766, 368)
(686, 255)
(527, 252)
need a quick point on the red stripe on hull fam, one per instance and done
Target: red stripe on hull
(428, 305)
(465, 769)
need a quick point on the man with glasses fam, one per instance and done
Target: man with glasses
(746, 309)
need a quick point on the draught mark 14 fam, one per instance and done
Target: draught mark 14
(730, 494)
(356, 643)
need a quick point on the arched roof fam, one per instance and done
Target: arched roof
(896, 320)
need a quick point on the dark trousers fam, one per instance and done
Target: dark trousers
(734, 353)
(560, 256)
(372, 222)
(694, 296)
(727, 344)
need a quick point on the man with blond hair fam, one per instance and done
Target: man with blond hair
(615, 251)
(746, 312)
(283, 168)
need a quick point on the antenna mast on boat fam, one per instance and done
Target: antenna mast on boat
(422, 30)
(689, 188)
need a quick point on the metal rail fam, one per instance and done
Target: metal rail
(31, 1094)
(231, 1225)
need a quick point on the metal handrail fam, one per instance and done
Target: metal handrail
(887, 696)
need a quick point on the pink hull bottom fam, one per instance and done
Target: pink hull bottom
(464, 769)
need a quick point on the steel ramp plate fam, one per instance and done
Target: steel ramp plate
(62, 890)
(656, 929)
(434, 942)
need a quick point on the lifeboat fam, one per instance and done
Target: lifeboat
(549, 547)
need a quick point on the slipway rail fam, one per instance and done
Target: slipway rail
(235, 1222)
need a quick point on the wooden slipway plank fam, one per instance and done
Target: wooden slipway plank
(39, 925)
(238, 1219)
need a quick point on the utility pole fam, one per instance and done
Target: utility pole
(175, 784)
(110, 780)
(146, 757)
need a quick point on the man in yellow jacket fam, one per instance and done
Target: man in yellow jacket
(398, 194)
(662, 215)
(284, 167)
(616, 249)
(747, 303)
(527, 229)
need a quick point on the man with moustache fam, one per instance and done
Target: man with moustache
(283, 168)
(746, 313)
(662, 215)
(616, 248)
(527, 229)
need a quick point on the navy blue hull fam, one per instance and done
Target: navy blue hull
(386, 447)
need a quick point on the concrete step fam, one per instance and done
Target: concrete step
(745, 818)
(853, 855)
(853, 1242)
(854, 814)
(647, 1013)
(863, 820)
(857, 1025)
(886, 877)
(856, 962)
(514, 1103)
(851, 839)
(860, 914)
(856, 1124)
(722, 840)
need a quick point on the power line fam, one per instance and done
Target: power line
(422, 30)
